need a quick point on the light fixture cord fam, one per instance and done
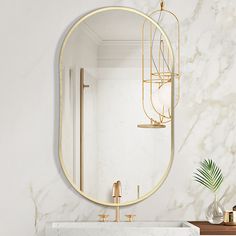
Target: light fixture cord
(154, 35)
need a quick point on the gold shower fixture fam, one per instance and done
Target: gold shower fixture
(157, 72)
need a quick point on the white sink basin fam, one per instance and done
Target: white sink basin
(121, 229)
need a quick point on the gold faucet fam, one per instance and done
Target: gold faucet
(116, 194)
(130, 217)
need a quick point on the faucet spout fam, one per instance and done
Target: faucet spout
(116, 194)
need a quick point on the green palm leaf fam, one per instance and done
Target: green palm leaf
(209, 175)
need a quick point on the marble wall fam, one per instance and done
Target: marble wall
(33, 189)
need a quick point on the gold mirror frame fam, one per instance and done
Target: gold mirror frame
(167, 170)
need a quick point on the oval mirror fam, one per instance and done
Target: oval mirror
(109, 151)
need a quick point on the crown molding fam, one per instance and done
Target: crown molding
(92, 34)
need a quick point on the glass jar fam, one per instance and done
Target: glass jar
(215, 212)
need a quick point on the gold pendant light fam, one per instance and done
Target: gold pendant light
(157, 64)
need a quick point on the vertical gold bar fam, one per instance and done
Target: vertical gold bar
(163, 60)
(159, 61)
(118, 211)
(151, 84)
(82, 129)
(143, 68)
(178, 62)
(168, 60)
(73, 102)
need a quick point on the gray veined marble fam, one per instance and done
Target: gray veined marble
(121, 229)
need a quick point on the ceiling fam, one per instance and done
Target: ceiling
(116, 25)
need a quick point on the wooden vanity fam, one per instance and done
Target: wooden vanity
(209, 229)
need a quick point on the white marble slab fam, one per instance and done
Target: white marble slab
(121, 229)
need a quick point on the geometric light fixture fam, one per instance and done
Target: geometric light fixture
(157, 64)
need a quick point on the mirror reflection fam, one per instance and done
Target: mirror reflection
(104, 152)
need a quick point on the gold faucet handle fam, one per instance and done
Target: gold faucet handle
(103, 218)
(130, 218)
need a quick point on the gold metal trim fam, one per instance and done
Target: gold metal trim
(82, 87)
(130, 217)
(116, 194)
(163, 178)
(72, 84)
(81, 179)
(161, 76)
(177, 75)
(157, 125)
(103, 218)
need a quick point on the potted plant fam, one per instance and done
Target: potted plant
(210, 176)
